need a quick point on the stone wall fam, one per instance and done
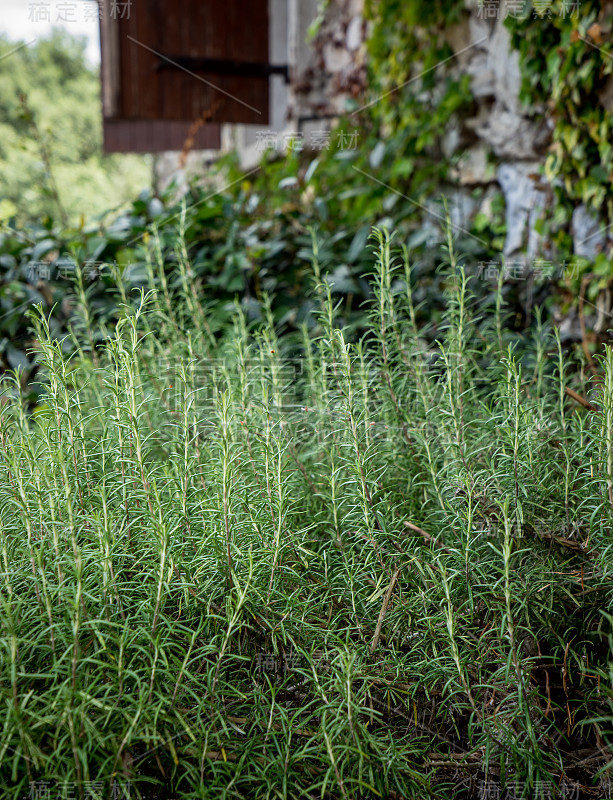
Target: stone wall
(501, 147)
(333, 70)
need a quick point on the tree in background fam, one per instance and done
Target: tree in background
(51, 161)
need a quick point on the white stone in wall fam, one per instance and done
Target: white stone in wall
(431, 228)
(473, 166)
(504, 63)
(451, 139)
(462, 207)
(354, 7)
(510, 135)
(480, 31)
(336, 58)
(483, 78)
(524, 203)
(589, 234)
(569, 325)
(486, 205)
(354, 33)
(536, 243)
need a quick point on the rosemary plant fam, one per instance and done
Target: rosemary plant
(378, 569)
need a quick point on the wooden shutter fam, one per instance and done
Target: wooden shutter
(167, 64)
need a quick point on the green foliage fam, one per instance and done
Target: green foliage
(567, 77)
(253, 237)
(408, 33)
(235, 568)
(248, 243)
(56, 137)
(567, 64)
(39, 264)
(415, 98)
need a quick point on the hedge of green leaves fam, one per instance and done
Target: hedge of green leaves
(379, 570)
(253, 236)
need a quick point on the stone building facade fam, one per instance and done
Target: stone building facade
(501, 148)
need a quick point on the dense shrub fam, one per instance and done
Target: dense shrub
(252, 567)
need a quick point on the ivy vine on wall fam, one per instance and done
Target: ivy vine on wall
(566, 57)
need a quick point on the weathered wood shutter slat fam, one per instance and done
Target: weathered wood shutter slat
(141, 86)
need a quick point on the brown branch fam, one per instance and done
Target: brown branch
(578, 399)
(382, 613)
(429, 539)
(206, 115)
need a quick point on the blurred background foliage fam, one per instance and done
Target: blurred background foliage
(51, 136)
(253, 239)
(566, 74)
